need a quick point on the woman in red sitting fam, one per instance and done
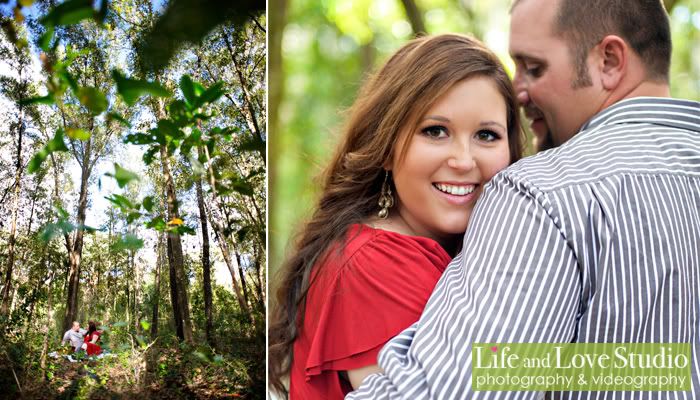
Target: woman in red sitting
(91, 338)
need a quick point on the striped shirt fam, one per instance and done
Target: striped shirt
(597, 240)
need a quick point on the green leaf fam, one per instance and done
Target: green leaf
(181, 230)
(55, 144)
(145, 325)
(93, 99)
(46, 38)
(37, 160)
(169, 130)
(120, 324)
(48, 99)
(187, 89)
(201, 356)
(193, 139)
(69, 12)
(68, 78)
(132, 89)
(133, 216)
(150, 155)
(128, 242)
(120, 201)
(212, 94)
(157, 223)
(148, 203)
(123, 176)
(116, 117)
(78, 134)
(51, 230)
(179, 113)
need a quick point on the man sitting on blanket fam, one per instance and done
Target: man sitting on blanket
(74, 336)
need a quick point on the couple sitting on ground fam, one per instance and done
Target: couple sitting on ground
(81, 339)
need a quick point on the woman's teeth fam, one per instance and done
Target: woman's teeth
(454, 189)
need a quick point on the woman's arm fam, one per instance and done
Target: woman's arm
(356, 376)
(95, 337)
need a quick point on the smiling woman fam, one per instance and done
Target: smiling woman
(432, 126)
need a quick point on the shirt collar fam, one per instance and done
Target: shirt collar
(676, 113)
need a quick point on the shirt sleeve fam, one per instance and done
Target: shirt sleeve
(356, 309)
(516, 280)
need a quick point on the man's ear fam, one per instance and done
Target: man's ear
(614, 54)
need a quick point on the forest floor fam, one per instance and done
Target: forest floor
(164, 373)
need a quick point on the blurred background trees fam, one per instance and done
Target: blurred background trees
(320, 53)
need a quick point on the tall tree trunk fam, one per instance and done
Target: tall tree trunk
(241, 275)
(277, 11)
(47, 325)
(206, 266)
(156, 288)
(76, 251)
(176, 258)
(226, 253)
(7, 288)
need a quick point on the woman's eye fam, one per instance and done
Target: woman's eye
(435, 131)
(487, 136)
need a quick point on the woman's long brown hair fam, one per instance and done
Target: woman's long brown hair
(394, 98)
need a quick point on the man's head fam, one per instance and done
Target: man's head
(575, 58)
(76, 326)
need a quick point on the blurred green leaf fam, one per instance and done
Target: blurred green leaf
(120, 324)
(123, 176)
(48, 99)
(148, 203)
(116, 117)
(132, 89)
(150, 155)
(68, 13)
(145, 325)
(157, 223)
(189, 21)
(68, 78)
(187, 89)
(132, 216)
(55, 144)
(93, 99)
(59, 228)
(46, 38)
(78, 134)
(201, 356)
(120, 201)
(212, 94)
(128, 242)
(140, 138)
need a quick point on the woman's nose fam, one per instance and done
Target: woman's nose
(461, 159)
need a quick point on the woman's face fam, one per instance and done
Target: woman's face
(459, 145)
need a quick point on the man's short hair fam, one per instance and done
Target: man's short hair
(643, 24)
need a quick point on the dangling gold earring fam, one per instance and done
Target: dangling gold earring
(386, 200)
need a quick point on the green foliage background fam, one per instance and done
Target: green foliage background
(321, 50)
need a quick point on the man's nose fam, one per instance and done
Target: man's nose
(520, 86)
